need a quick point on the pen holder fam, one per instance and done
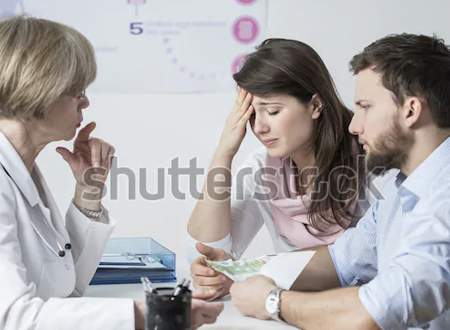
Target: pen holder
(168, 312)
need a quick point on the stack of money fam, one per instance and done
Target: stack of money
(239, 270)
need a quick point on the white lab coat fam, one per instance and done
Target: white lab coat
(35, 283)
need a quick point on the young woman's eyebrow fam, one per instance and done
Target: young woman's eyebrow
(360, 102)
(263, 103)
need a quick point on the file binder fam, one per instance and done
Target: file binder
(126, 260)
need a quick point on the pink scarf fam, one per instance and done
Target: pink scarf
(290, 212)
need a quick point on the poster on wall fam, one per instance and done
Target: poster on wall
(159, 46)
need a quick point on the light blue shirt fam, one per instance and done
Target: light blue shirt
(399, 252)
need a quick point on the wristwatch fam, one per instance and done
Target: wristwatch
(273, 304)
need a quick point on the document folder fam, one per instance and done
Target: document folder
(125, 260)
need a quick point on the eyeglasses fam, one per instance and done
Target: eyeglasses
(81, 95)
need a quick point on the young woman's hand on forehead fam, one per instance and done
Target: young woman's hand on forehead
(236, 123)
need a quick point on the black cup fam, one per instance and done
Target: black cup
(168, 312)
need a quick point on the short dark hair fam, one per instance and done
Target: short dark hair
(412, 65)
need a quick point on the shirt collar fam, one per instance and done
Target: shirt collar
(421, 178)
(399, 179)
(16, 169)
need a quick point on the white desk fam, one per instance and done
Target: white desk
(230, 319)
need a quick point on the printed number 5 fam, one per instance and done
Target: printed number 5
(136, 28)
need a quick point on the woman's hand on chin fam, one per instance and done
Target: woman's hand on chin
(90, 161)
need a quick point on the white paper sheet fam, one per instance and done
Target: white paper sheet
(284, 268)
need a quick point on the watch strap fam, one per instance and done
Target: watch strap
(275, 296)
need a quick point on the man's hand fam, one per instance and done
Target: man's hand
(250, 296)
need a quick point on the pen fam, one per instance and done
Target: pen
(148, 288)
(182, 287)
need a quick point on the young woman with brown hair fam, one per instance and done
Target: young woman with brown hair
(304, 186)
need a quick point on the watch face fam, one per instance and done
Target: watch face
(272, 303)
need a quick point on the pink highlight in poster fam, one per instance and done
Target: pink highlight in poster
(246, 2)
(245, 29)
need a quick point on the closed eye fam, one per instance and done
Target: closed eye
(273, 113)
(363, 105)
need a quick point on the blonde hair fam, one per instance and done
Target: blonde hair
(40, 61)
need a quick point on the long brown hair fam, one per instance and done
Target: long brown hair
(281, 66)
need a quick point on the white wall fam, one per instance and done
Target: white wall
(150, 130)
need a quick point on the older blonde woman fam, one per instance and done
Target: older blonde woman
(44, 70)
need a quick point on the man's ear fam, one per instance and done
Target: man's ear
(316, 105)
(413, 108)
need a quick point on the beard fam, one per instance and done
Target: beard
(390, 150)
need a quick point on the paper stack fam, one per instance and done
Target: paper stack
(126, 260)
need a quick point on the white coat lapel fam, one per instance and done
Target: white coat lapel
(52, 212)
(14, 166)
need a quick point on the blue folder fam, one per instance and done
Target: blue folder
(126, 260)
